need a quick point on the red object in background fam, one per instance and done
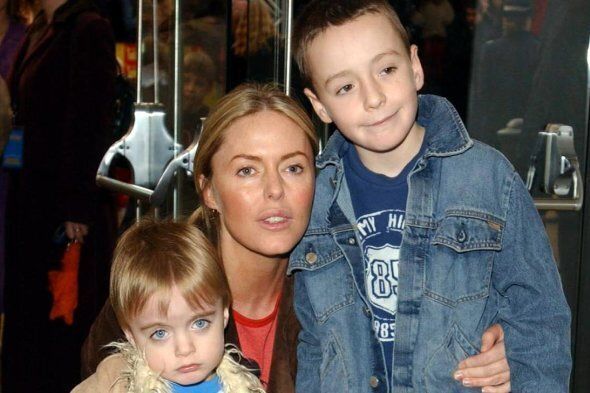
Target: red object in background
(540, 8)
(63, 285)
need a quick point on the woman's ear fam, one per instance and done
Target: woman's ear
(207, 192)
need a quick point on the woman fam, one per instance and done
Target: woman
(13, 23)
(62, 91)
(254, 173)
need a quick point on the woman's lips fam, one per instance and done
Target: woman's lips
(275, 219)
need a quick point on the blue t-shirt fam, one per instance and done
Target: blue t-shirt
(379, 204)
(211, 386)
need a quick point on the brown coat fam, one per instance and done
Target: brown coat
(284, 358)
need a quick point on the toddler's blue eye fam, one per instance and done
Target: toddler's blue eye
(159, 334)
(200, 324)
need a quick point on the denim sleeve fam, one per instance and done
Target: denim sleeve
(309, 352)
(533, 310)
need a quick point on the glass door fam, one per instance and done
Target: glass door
(528, 97)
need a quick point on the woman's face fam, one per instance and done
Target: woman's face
(262, 184)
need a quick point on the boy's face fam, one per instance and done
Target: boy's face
(366, 82)
(185, 345)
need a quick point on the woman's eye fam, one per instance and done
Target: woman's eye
(247, 171)
(295, 168)
(344, 89)
(159, 334)
(201, 324)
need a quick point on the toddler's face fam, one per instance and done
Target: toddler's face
(366, 82)
(185, 345)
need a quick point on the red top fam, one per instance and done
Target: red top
(257, 337)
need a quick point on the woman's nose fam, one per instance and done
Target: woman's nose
(274, 187)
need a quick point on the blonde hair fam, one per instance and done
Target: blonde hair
(245, 100)
(318, 15)
(153, 257)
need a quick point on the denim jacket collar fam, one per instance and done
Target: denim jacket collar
(448, 138)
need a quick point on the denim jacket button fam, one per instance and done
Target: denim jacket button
(367, 311)
(351, 240)
(311, 257)
(461, 236)
(374, 382)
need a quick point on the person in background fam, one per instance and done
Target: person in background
(505, 73)
(62, 96)
(14, 17)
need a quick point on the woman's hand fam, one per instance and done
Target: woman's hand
(489, 369)
(76, 231)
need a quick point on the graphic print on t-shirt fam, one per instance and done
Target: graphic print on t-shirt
(380, 234)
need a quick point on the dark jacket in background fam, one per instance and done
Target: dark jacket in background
(62, 89)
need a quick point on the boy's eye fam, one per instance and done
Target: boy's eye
(201, 324)
(344, 89)
(247, 171)
(388, 70)
(159, 334)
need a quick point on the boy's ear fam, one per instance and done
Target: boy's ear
(225, 317)
(318, 107)
(416, 67)
(207, 192)
(129, 336)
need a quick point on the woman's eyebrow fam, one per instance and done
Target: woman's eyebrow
(257, 158)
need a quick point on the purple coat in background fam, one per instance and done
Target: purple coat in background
(9, 45)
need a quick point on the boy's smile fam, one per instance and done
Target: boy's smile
(366, 82)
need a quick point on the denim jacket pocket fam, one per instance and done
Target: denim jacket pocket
(438, 373)
(459, 266)
(329, 288)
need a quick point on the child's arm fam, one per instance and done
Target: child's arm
(532, 307)
(489, 369)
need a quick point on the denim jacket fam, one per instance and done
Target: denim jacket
(474, 253)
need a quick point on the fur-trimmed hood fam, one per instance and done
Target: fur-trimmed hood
(127, 372)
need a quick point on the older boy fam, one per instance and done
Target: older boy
(420, 238)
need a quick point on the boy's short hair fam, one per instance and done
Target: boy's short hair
(153, 257)
(319, 15)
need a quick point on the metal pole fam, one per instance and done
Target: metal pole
(139, 43)
(288, 32)
(176, 192)
(156, 51)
